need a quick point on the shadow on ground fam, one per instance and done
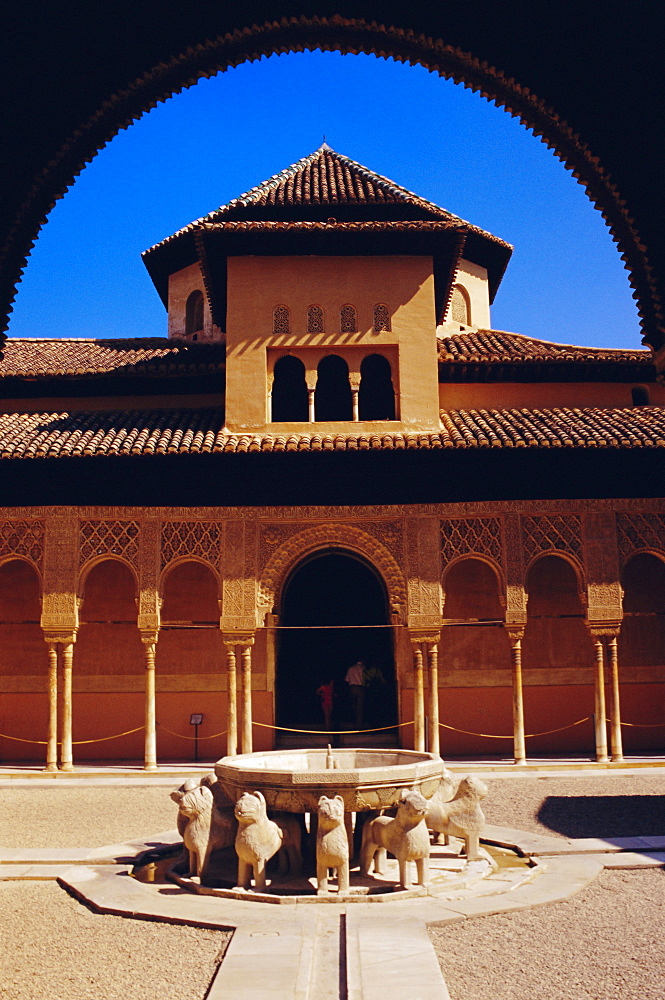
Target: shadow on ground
(604, 815)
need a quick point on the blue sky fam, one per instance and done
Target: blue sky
(198, 150)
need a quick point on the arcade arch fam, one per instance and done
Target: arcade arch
(22, 654)
(641, 648)
(108, 663)
(558, 656)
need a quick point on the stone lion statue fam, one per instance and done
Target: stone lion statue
(332, 845)
(405, 836)
(258, 839)
(207, 827)
(208, 781)
(461, 816)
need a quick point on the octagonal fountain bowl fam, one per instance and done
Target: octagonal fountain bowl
(293, 780)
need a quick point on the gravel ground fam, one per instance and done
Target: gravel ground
(83, 816)
(604, 943)
(613, 805)
(53, 948)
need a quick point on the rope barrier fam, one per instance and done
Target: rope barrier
(332, 732)
(75, 743)
(182, 737)
(642, 725)
(494, 736)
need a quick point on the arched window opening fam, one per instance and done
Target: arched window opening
(194, 313)
(348, 321)
(460, 311)
(642, 635)
(640, 395)
(332, 399)
(315, 319)
(376, 397)
(281, 320)
(289, 390)
(381, 318)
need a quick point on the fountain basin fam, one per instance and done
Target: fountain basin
(293, 780)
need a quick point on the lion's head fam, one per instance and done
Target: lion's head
(251, 808)
(331, 811)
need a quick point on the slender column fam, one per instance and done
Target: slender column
(232, 702)
(66, 758)
(150, 750)
(519, 742)
(246, 699)
(433, 674)
(601, 727)
(310, 381)
(616, 741)
(354, 380)
(418, 700)
(52, 737)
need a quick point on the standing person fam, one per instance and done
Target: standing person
(326, 693)
(356, 678)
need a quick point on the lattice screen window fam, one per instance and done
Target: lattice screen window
(465, 536)
(459, 306)
(381, 318)
(191, 538)
(641, 531)
(22, 538)
(315, 319)
(118, 538)
(281, 320)
(552, 532)
(348, 322)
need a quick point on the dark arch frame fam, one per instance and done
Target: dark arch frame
(190, 51)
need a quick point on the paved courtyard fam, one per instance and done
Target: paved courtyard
(603, 942)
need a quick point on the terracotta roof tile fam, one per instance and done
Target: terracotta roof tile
(496, 346)
(201, 431)
(50, 357)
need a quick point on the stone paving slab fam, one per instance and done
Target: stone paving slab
(10, 873)
(629, 860)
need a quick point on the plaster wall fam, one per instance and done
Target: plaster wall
(256, 285)
(181, 285)
(473, 279)
(514, 395)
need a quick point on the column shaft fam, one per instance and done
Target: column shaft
(310, 405)
(616, 740)
(418, 700)
(246, 699)
(52, 736)
(519, 743)
(433, 672)
(232, 702)
(66, 758)
(601, 727)
(150, 751)
(354, 403)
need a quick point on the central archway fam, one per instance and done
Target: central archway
(334, 611)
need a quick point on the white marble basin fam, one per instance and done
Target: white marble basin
(293, 780)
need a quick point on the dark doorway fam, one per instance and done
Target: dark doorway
(328, 604)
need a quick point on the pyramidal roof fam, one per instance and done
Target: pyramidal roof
(326, 178)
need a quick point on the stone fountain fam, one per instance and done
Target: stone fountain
(299, 805)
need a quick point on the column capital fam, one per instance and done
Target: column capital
(66, 636)
(238, 638)
(515, 632)
(149, 636)
(419, 637)
(604, 630)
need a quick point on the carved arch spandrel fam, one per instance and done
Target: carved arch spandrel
(330, 536)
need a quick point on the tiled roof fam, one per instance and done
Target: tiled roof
(201, 431)
(496, 346)
(150, 356)
(326, 179)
